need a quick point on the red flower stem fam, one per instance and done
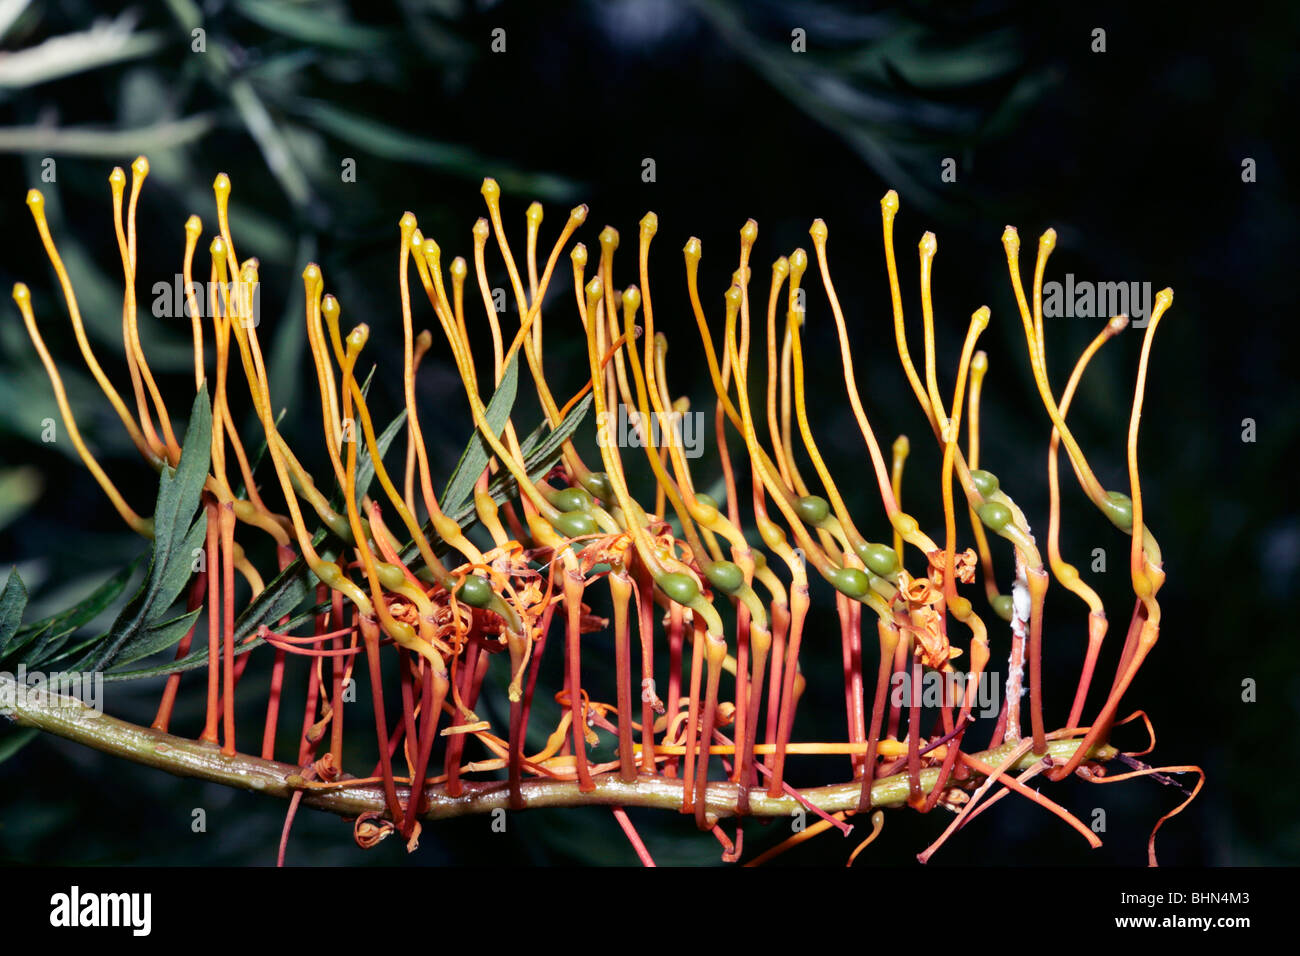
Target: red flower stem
(573, 588)
(620, 590)
(889, 641)
(780, 628)
(798, 613)
(284, 556)
(676, 629)
(915, 796)
(643, 586)
(213, 563)
(370, 634)
(693, 716)
(227, 518)
(197, 588)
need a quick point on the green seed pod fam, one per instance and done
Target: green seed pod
(851, 581)
(880, 558)
(985, 481)
(995, 515)
(813, 509)
(1002, 605)
(679, 587)
(597, 482)
(572, 499)
(390, 576)
(725, 576)
(1119, 509)
(475, 591)
(574, 524)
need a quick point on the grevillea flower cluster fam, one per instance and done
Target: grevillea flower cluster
(708, 599)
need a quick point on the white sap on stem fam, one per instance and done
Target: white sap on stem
(1021, 606)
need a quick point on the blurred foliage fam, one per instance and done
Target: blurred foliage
(1135, 155)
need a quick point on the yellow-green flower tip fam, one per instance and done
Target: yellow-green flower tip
(979, 363)
(1011, 238)
(458, 268)
(889, 203)
(218, 247)
(423, 341)
(430, 249)
(981, 318)
(408, 223)
(481, 229)
(733, 296)
(21, 292)
(1047, 241)
(609, 238)
(141, 168)
(1165, 298)
(929, 245)
(693, 249)
(1117, 324)
(579, 254)
(35, 200)
(649, 224)
(193, 225)
(902, 446)
(798, 262)
(578, 214)
(818, 231)
(534, 213)
(358, 337)
(311, 274)
(220, 185)
(491, 190)
(329, 306)
(631, 298)
(781, 268)
(595, 288)
(117, 178)
(749, 232)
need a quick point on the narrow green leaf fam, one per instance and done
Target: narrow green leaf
(365, 464)
(67, 622)
(477, 454)
(175, 538)
(13, 601)
(157, 637)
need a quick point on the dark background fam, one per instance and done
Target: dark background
(1134, 155)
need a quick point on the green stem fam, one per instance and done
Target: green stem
(68, 718)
